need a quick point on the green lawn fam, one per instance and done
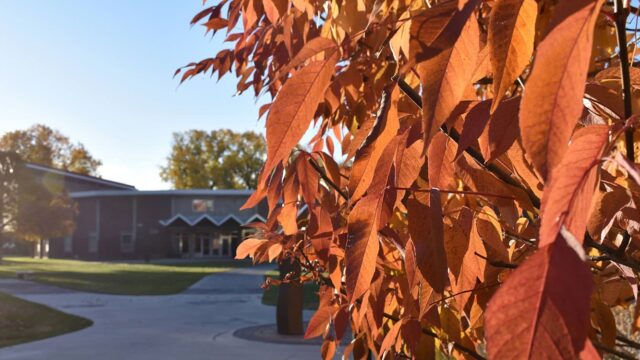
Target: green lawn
(23, 321)
(310, 293)
(116, 278)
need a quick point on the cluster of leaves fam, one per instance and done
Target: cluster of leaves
(30, 209)
(220, 159)
(485, 200)
(40, 144)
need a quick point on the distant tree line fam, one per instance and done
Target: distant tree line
(218, 159)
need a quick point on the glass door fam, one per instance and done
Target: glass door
(206, 248)
(215, 246)
(226, 245)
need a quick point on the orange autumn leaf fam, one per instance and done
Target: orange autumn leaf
(546, 303)
(294, 108)
(567, 197)
(558, 75)
(511, 33)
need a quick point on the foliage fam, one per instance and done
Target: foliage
(31, 210)
(40, 212)
(8, 189)
(220, 159)
(488, 197)
(42, 145)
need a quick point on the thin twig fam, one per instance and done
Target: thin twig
(611, 253)
(500, 264)
(621, 14)
(600, 258)
(324, 177)
(618, 353)
(463, 292)
(519, 238)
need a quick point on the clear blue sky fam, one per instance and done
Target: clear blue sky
(101, 73)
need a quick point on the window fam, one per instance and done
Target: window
(206, 243)
(93, 242)
(182, 242)
(68, 244)
(202, 205)
(215, 246)
(126, 242)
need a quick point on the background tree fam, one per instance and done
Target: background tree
(488, 204)
(9, 163)
(42, 145)
(29, 210)
(41, 214)
(220, 159)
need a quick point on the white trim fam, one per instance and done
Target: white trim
(80, 176)
(166, 223)
(254, 218)
(176, 217)
(133, 192)
(229, 217)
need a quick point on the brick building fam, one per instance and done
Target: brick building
(116, 221)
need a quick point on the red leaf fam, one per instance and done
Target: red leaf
(308, 178)
(552, 101)
(427, 231)
(365, 219)
(248, 247)
(319, 321)
(313, 47)
(390, 338)
(512, 29)
(367, 157)
(567, 197)
(543, 309)
(441, 155)
(294, 107)
(445, 77)
(362, 246)
(503, 130)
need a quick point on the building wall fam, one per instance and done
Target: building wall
(152, 239)
(106, 219)
(222, 205)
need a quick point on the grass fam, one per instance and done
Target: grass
(116, 278)
(23, 321)
(309, 291)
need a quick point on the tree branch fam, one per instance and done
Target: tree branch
(621, 14)
(456, 346)
(611, 253)
(499, 264)
(455, 136)
(618, 353)
(464, 292)
(324, 177)
(628, 342)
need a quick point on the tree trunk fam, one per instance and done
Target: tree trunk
(289, 307)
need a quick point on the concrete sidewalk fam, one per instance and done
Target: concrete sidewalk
(196, 324)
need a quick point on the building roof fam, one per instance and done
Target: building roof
(83, 177)
(133, 192)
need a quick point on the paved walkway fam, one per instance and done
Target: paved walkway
(196, 324)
